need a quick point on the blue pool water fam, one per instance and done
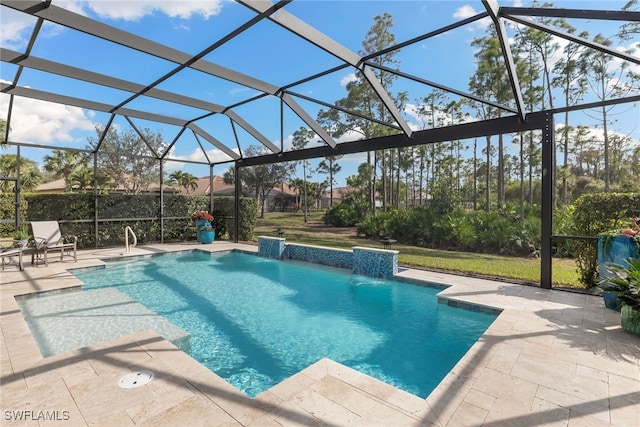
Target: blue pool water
(256, 321)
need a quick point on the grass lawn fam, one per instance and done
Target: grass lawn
(512, 268)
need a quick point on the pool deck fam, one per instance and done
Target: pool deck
(551, 358)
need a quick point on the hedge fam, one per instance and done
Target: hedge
(178, 224)
(596, 213)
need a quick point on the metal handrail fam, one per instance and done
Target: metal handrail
(128, 230)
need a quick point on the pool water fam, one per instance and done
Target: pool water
(256, 321)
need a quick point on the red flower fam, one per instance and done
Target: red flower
(202, 215)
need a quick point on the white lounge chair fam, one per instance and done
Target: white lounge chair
(47, 238)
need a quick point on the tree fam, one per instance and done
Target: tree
(30, 177)
(128, 159)
(261, 179)
(330, 166)
(369, 112)
(606, 82)
(629, 29)
(301, 138)
(63, 164)
(184, 179)
(3, 133)
(315, 190)
(488, 81)
(82, 178)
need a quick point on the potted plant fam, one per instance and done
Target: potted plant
(615, 247)
(625, 283)
(21, 238)
(206, 233)
(201, 218)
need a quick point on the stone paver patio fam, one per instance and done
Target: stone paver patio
(551, 358)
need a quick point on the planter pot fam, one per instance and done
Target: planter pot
(630, 319)
(612, 301)
(199, 223)
(206, 237)
(614, 250)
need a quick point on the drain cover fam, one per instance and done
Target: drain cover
(136, 379)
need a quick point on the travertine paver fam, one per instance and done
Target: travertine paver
(550, 358)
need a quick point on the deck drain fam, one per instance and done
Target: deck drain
(136, 379)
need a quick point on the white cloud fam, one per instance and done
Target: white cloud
(34, 121)
(15, 29)
(134, 10)
(467, 11)
(197, 155)
(351, 77)
(464, 12)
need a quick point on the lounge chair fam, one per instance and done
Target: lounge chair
(8, 254)
(47, 238)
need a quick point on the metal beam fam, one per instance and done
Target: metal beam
(605, 15)
(106, 32)
(493, 9)
(315, 37)
(502, 125)
(546, 231)
(302, 113)
(445, 88)
(90, 105)
(45, 65)
(572, 37)
(251, 130)
(386, 99)
(213, 141)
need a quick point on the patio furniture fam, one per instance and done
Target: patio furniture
(47, 238)
(12, 253)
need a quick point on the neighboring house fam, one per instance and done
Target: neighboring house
(338, 194)
(220, 188)
(282, 198)
(58, 186)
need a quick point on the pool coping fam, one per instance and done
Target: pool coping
(591, 377)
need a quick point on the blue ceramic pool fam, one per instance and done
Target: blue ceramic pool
(256, 321)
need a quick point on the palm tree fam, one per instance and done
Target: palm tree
(83, 178)
(184, 180)
(189, 182)
(64, 163)
(30, 177)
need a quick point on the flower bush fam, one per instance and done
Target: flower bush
(202, 215)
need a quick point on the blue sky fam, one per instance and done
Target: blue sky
(192, 26)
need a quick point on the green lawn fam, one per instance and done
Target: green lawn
(512, 268)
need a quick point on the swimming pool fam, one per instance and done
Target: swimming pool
(256, 321)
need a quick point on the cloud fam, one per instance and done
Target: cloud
(197, 155)
(464, 12)
(134, 10)
(351, 77)
(34, 121)
(15, 29)
(467, 11)
(16, 26)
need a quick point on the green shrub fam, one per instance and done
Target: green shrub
(8, 212)
(114, 209)
(594, 214)
(345, 214)
(563, 225)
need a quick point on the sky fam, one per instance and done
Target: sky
(266, 52)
